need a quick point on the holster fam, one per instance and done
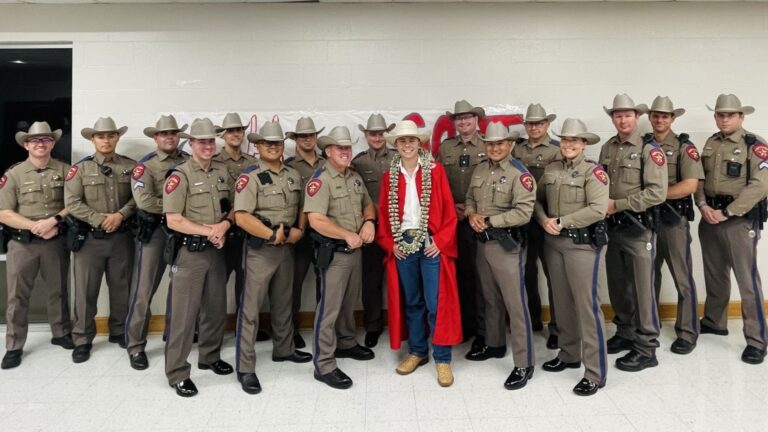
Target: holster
(76, 233)
(325, 248)
(509, 238)
(172, 245)
(634, 224)
(671, 212)
(758, 214)
(146, 224)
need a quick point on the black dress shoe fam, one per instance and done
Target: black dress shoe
(372, 338)
(139, 360)
(118, 339)
(617, 344)
(518, 378)
(11, 359)
(262, 336)
(185, 388)
(296, 357)
(336, 379)
(557, 365)
(219, 367)
(298, 341)
(635, 362)
(485, 352)
(249, 382)
(357, 352)
(682, 346)
(750, 355)
(586, 387)
(81, 353)
(64, 342)
(552, 341)
(706, 329)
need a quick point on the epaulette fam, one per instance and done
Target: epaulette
(750, 139)
(318, 171)
(359, 154)
(148, 156)
(250, 168)
(173, 168)
(185, 153)
(13, 166)
(87, 158)
(519, 165)
(554, 142)
(289, 160)
(714, 135)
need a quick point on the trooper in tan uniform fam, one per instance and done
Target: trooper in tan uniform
(460, 155)
(638, 183)
(306, 161)
(196, 197)
(673, 229)
(732, 201)
(97, 192)
(235, 160)
(147, 183)
(267, 206)
(571, 207)
(339, 209)
(536, 152)
(32, 207)
(499, 203)
(371, 164)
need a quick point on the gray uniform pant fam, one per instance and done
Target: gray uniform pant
(732, 245)
(673, 244)
(578, 275)
(197, 289)
(502, 276)
(629, 263)
(335, 319)
(111, 256)
(268, 270)
(535, 253)
(147, 274)
(24, 261)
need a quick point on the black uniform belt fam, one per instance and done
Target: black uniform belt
(196, 243)
(26, 236)
(719, 202)
(499, 233)
(622, 219)
(595, 234)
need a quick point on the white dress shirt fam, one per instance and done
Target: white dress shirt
(412, 205)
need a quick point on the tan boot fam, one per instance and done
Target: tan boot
(410, 363)
(444, 374)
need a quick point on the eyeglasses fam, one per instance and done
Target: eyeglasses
(533, 125)
(43, 140)
(234, 130)
(464, 117)
(271, 143)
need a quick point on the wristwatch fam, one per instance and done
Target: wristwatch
(726, 213)
(273, 237)
(58, 218)
(487, 222)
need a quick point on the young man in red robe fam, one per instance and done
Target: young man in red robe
(417, 230)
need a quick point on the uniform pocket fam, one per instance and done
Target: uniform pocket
(502, 195)
(199, 197)
(630, 171)
(30, 194)
(271, 197)
(92, 185)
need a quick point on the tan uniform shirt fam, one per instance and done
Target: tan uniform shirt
(717, 153)
(34, 193)
(148, 179)
(575, 191)
(505, 191)
(235, 167)
(197, 194)
(303, 167)
(96, 186)
(536, 158)
(273, 195)
(623, 161)
(340, 196)
(683, 155)
(460, 159)
(371, 165)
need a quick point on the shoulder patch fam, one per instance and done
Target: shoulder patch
(519, 165)
(760, 150)
(242, 182)
(692, 153)
(657, 156)
(554, 142)
(3, 180)
(138, 171)
(172, 183)
(148, 156)
(600, 174)
(313, 186)
(72, 171)
(250, 168)
(527, 181)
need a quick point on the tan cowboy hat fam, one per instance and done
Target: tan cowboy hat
(38, 129)
(576, 128)
(376, 123)
(464, 107)
(496, 131)
(622, 102)
(730, 103)
(271, 131)
(305, 125)
(103, 125)
(202, 129)
(164, 124)
(406, 128)
(664, 104)
(536, 113)
(231, 121)
(339, 136)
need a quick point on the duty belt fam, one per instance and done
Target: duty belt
(497, 233)
(26, 236)
(719, 202)
(621, 219)
(196, 243)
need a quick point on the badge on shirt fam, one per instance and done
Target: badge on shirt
(601, 175)
(761, 151)
(138, 171)
(3, 180)
(172, 183)
(291, 180)
(71, 173)
(633, 156)
(737, 151)
(692, 153)
(126, 172)
(527, 181)
(221, 179)
(503, 179)
(539, 158)
(657, 156)
(242, 182)
(313, 186)
(358, 183)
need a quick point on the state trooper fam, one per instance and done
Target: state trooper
(732, 202)
(341, 212)
(536, 152)
(147, 183)
(97, 193)
(460, 155)
(638, 183)
(684, 171)
(571, 208)
(498, 205)
(196, 201)
(32, 210)
(268, 208)
(371, 164)
(306, 161)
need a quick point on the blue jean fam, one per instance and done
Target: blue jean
(419, 279)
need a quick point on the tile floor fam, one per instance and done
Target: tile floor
(711, 389)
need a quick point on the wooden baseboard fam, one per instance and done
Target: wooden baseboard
(667, 311)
